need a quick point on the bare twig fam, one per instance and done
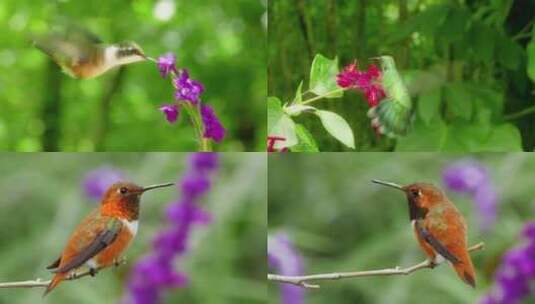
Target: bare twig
(39, 283)
(304, 281)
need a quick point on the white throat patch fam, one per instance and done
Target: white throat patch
(131, 225)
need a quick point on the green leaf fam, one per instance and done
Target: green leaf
(424, 137)
(531, 59)
(461, 136)
(482, 42)
(306, 141)
(454, 26)
(337, 127)
(299, 93)
(459, 100)
(323, 76)
(280, 124)
(508, 52)
(503, 138)
(428, 105)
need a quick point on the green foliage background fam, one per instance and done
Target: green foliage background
(466, 63)
(43, 201)
(340, 221)
(220, 42)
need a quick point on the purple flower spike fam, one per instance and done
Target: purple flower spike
(187, 88)
(283, 256)
(516, 274)
(166, 64)
(171, 112)
(465, 176)
(472, 178)
(212, 126)
(155, 272)
(204, 161)
(96, 182)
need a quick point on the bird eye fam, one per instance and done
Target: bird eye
(123, 190)
(415, 192)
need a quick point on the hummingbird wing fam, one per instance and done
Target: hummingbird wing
(392, 118)
(54, 264)
(69, 47)
(435, 243)
(90, 238)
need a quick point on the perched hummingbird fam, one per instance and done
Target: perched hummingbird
(393, 114)
(83, 55)
(104, 234)
(439, 227)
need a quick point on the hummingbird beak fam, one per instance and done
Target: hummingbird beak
(157, 186)
(389, 184)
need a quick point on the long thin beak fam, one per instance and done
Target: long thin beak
(157, 186)
(389, 184)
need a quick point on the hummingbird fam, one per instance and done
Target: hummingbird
(81, 54)
(439, 227)
(104, 234)
(392, 116)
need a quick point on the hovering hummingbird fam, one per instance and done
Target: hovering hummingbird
(81, 54)
(104, 234)
(439, 227)
(393, 114)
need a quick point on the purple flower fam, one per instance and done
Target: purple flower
(97, 181)
(212, 126)
(204, 161)
(166, 64)
(187, 88)
(171, 112)
(155, 272)
(284, 257)
(516, 274)
(465, 176)
(472, 178)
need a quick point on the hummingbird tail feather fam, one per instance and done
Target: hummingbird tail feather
(55, 282)
(393, 117)
(465, 270)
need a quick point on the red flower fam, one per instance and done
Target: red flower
(365, 81)
(271, 140)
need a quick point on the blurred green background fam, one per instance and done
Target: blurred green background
(340, 221)
(465, 62)
(43, 201)
(220, 42)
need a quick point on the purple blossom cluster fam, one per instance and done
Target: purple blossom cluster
(155, 272)
(188, 90)
(283, 257)
(515, 277)
(97, 181)
(472, 178)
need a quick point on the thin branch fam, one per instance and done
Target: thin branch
(304, 281)
(39, 283)
(519, 114)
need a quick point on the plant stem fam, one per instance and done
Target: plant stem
(521, 113)
(194, 114)
(322, 96)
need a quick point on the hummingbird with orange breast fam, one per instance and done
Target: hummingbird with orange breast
(104, 234)
(81, 54)
(439, 227)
